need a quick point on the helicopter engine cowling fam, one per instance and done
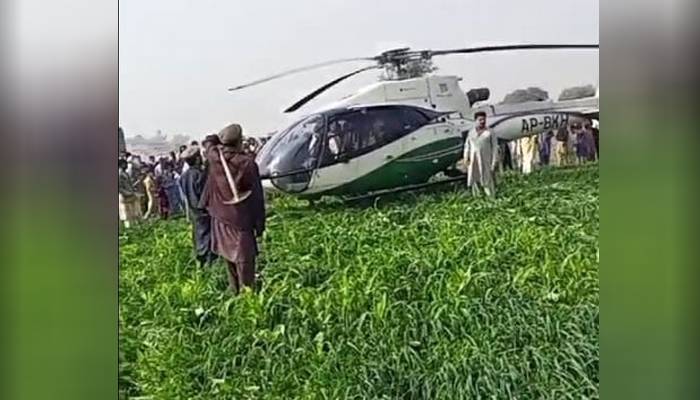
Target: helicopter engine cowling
(476, 95)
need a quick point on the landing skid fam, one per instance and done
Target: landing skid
(404, 189)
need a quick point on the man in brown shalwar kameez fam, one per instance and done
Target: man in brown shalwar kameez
(234, 227)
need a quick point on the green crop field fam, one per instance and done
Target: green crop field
(431, 295)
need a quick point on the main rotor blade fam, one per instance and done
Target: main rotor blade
(485, 49)
(301, 69)
(325, 87)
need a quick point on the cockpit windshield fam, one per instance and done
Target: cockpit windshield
(293, 153)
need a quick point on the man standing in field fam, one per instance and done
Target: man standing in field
(129, 199)
(586, 150)
(207, 143)
(481, 156)
(192, 185)
(167, 180)
(561, 149)
(234, 227)
(506, 159)
(151, 191)
(529, 148)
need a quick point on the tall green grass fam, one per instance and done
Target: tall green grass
(420, 296)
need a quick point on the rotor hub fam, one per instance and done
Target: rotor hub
(403, 63)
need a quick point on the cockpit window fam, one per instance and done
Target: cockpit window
(294, 150)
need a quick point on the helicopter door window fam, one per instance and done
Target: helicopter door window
(411, 120)
(359, 132)
(391, 123)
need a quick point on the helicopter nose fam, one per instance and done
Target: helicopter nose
(268, 186)
(265, 173)
(277, 178)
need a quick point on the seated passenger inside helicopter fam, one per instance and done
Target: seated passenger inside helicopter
(334, 138)
(377, 133)
(354, 133)
(351, 138)
(342, 140)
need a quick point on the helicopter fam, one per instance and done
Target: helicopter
(400, 131)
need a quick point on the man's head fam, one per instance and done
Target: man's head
(576, 127)
(588, 126)
(152, 159)
(136, 160)
(191, 156)
(378, 126)
(480, 118)
(251, 145)
(194, 143)
(232, 136)
(122, 164)
(211, 140)
(182, 148)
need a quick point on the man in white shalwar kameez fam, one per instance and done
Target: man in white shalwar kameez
(481, 156)
(529, 148)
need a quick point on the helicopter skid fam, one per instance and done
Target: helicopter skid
(406, 188)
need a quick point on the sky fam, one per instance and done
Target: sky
(178, 57)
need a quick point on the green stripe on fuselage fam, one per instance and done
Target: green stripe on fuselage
(411, 168)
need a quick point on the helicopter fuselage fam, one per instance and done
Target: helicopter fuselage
(392, 134)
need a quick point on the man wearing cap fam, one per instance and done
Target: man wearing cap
(192, 185)
(209, 141)
(236, 221)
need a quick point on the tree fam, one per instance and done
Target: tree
(577, 92)
(179, 139)
(523, 95)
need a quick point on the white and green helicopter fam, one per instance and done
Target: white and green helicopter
(400, 131)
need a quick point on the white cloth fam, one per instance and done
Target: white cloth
(481, 154)
(530, 152)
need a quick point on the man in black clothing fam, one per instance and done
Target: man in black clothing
(506, 159)
(192, 184)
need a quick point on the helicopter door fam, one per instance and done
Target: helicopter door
(353, 134)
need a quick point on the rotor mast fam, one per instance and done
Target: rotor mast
(403, 64)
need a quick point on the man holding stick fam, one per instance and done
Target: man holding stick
(233, 196)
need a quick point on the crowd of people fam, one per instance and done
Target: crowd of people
(150, 186)
(203, 183)
(574, 144)
(484, 154)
